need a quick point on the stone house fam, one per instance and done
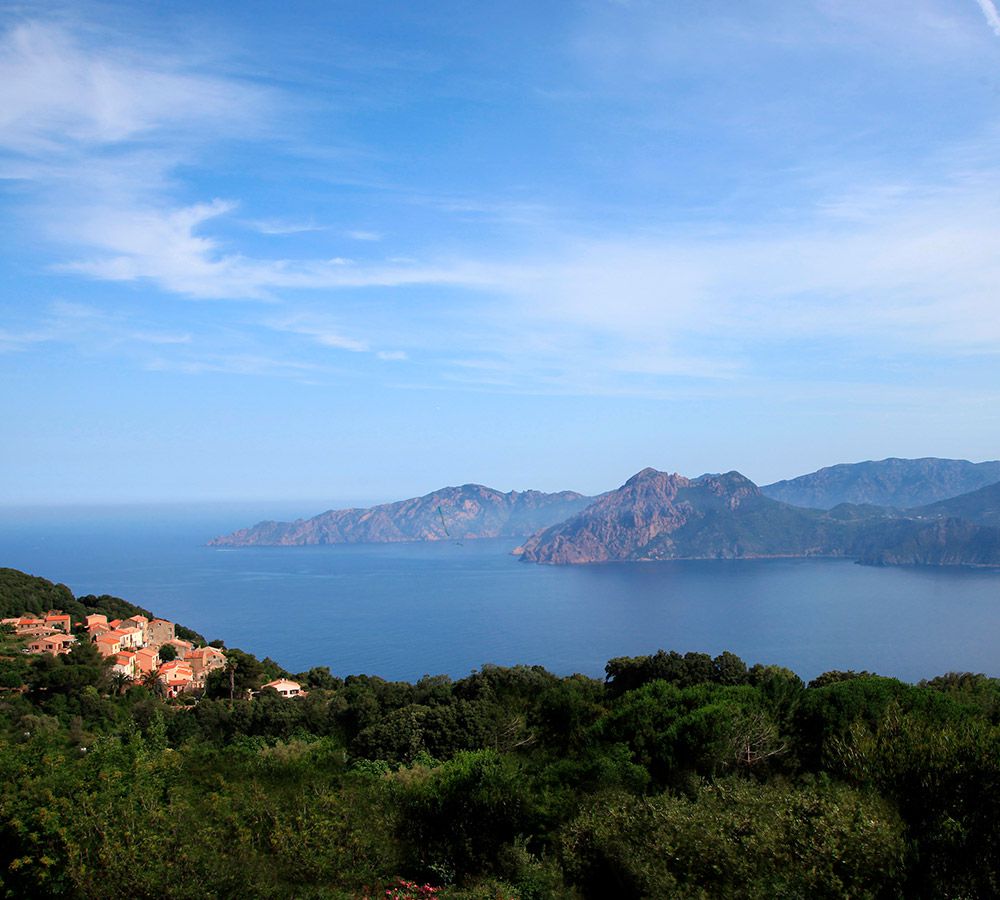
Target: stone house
(205, 660)
(159, 632)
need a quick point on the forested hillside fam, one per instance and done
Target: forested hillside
(679, 775)
(21, 593)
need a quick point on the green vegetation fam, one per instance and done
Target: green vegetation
(27, 594)
(677, 776)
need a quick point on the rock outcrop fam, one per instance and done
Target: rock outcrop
(656, 515)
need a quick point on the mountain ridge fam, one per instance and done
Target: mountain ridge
(656, 515)
(660, 515)
(462, 512)
(897, 482)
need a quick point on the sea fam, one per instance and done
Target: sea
(401, 611)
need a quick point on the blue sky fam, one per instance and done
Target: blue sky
(360, 250)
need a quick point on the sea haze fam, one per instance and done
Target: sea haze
(404, 610)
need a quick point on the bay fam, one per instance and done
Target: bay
(404, 610)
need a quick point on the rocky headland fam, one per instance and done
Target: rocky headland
(452, 513)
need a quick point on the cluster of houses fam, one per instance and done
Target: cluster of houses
(135, 645)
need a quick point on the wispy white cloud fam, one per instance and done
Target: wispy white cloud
(235, 364)
(893, 265)
(56, 95)
(992, 15)
(283, 227)
(89, 328)
(323, 333)
(887, 269)
(167, 247)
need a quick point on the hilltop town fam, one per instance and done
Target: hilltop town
(142, 650)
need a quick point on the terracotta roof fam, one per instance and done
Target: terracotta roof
(175, 665)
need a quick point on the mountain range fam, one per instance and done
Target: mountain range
(451, 513)
(886, 520)
(656, 515)
(895, 482)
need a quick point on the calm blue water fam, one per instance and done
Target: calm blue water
(405, 610)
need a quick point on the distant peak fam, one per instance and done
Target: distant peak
(645, 475)
(728, 483)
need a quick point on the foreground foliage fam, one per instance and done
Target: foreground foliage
(678, 776)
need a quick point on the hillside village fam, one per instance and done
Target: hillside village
(142, 649)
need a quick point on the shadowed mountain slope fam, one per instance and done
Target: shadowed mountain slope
(894, 482)
(981, 507)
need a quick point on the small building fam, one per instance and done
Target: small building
(183, 648)
(176, 677)
(125, 664)
(159, 632)
(96, 619)
(56, 620)
(109, 644)
(142, 623)
(205, 660)
(131, 636)
(96, 629)
(147, 660)
(26, 626)
(55, 644)
(285, 687)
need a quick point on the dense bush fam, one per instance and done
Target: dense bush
(677, 776)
